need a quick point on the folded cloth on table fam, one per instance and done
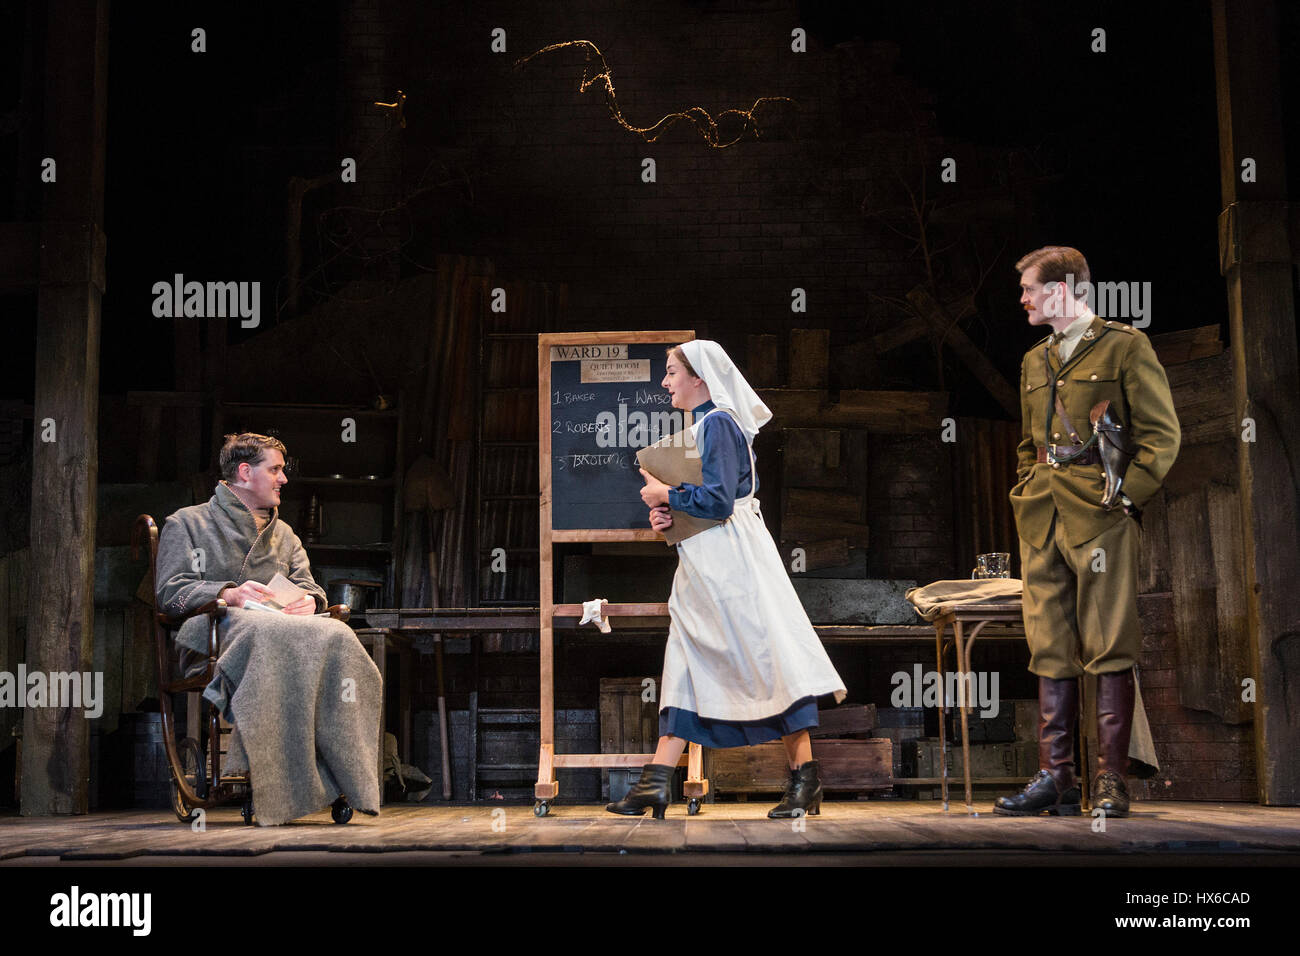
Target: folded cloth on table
(935, 599)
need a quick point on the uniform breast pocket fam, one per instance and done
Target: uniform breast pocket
(1035, 385)
(1103, 376)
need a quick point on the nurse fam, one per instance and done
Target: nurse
(743, 664)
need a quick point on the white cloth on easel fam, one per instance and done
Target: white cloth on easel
(593, 612)
(740, 645)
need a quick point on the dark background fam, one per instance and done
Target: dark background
(200, 146)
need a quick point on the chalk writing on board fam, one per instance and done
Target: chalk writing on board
(568, 398)
(611, 460)
(646, 397)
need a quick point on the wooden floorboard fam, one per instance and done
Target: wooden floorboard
(895, 826)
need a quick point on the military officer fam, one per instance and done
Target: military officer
(1078, 557)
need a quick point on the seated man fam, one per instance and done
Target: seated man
(302, 692)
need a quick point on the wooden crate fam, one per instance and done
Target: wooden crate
(628, 725)
(845, 765)
(921, 759)
(844, 721)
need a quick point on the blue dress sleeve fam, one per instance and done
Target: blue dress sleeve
(724, 463)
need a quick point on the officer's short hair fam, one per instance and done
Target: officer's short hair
(1055, 263)
(246, 447)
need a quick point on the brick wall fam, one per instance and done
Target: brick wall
(909, 509)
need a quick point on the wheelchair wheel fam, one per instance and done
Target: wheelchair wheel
(192, 770)
(341, 810)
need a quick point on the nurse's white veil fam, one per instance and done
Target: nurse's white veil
(727, 387)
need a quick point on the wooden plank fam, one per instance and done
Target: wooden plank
(844, 765)
(826, 503)
(894, 412)
(1153, 565)
(1223, 513)
(1175, 348)
(1205, 411)
(1195, 607)
(832, 553)
(810, 355)
(800, 528)
(952, 335)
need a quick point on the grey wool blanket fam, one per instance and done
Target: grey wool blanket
(301, 691)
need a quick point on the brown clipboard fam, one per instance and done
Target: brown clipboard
(676, 460)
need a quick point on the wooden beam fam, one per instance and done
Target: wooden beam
(1256, 260)
(60, 626)
(878, 411)
(909, 330)
(974, 358)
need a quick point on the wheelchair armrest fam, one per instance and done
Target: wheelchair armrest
(340, 612)
(215, 609)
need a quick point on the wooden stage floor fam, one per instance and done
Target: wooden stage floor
(722, 832)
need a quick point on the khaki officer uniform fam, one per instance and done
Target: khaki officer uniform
(1078, 617)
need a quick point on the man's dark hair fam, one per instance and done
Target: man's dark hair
(245, 447)
(1055, 263)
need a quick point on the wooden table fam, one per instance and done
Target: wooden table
(960, 617)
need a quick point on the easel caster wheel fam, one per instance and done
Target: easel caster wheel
(692, 806)
(541, 808)
(341, 810)
(247, 811)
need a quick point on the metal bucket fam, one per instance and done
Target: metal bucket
(351, 592)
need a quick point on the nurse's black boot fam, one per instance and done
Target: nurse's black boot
(803, 794)
(653, 790)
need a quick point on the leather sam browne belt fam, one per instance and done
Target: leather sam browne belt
(1063, 452)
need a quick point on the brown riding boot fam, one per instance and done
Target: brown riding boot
(1115, 696)
(1054, 790)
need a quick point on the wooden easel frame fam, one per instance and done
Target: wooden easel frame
(548, 761)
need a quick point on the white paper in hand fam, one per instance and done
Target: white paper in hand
(283, 593)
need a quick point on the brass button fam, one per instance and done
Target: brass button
(1060, 383)
(1029, 388)
(1056, 464)
(1093, 377)
(1056, 434)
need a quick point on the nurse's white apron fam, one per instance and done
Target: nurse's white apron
(740, 645)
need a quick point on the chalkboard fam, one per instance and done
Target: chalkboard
(606, 403)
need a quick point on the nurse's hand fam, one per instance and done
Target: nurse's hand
(655, 492)
(661, 518)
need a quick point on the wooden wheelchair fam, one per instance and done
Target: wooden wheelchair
(197, 782)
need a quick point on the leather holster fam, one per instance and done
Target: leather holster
(1113, 446)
